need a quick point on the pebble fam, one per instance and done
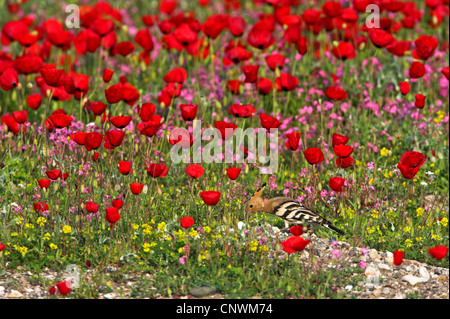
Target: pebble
(15, 294)
(2, 290)
(386, 291)
(384, 267)
(424, 273)
(202, 291)
(349, 287)
(412, 280)
(109, 296)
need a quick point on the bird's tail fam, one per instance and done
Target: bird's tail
(328, 225)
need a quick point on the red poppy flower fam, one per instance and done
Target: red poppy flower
(167, 6)
(399, 48)
(425, 46)
(60, 120)
(293, 141)
(336, 183)
(296, 230)
(344, 51)
(113, 94)
(9, 79)
(40, 207)
(2, 246)
(28, 64)
(112, 216)
(125, 167)
(20, 116)
(438, 252)
(236, 55)
(44, 183)
(86, 41)
(123, 48)
(404, 87)
(115, 137)
(184, 35)
(250, 72)
(339, 139)
(286, 82)
(107, 75)
(144, 39)
(181, 137)
(444, 71)
(243, 111)
(136, 188)
(91, 207)
(81, 83)
(275, 60)
(177, 75)
(226, 130)
(344, 162)
(34, 101)
(343, 150)
(157, 170)
(295, 243)
(410, 163)
(54, 174)
(268, 122)
(93, 140)
(335, 93)
(51, 76)
(236, 25)
(260, 37)
(380, 38)
(117, 203)
(398, 257)
(64, 287)
(150, 127)
(417, 70)
(98, 108)
(120, 121)
(95, 156)
(264, 86)
(233, 86)
(313, 155)
(78, 137)
(302, 45)
(186, 222)
(195, 171)
(146, 111)
(214, 25)
(188, 111)
(233, 173)
(210, 198)
(420, 101)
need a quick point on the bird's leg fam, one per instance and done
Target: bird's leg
(286, 228)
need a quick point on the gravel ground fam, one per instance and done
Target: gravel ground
(379, 280)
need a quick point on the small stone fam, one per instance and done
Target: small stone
(349, 287)
(399, 295)
(424, 273)
(202, 291)
(2, 290)
(386, 291)
(377, 293)
(109, 296)
(384, 267)
(370, 286)
(15, 294)
(412, 280)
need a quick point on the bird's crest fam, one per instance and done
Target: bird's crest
(260, 190)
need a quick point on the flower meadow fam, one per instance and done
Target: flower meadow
(88, 103)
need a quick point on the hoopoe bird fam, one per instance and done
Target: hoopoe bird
(287, 209)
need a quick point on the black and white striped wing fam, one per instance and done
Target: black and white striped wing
(293, 212)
